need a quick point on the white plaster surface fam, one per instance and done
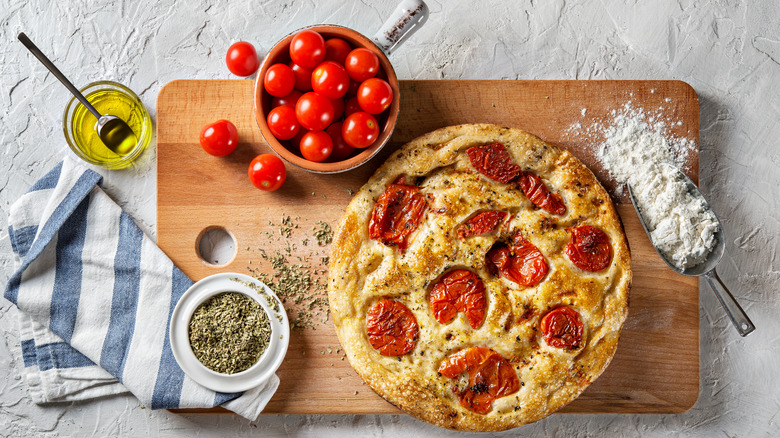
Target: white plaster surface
(729, 51)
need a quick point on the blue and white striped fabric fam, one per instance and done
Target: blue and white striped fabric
(96, 295)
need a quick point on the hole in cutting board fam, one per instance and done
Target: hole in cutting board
(216, 246)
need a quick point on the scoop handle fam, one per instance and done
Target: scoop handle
(57, 73)
(738, 317)
(408, 16)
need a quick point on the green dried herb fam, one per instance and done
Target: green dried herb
(287, 227)
(324, 234)
(300, 286)
(229, 332)
(272, 303)
(292, 283)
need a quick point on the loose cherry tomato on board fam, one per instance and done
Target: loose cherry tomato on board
(341, 149)
(302, 77)
(283, 123)
(316, 146)
(362, 64)
(267, 172)
(374, 95)
(360, 130)
(279, 80)
(314, 111)
(330, 79)
(242, 59)
(307, 49)
(219, 138)
(288, 100)
(337, 50)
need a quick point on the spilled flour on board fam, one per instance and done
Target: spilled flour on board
(635, 144)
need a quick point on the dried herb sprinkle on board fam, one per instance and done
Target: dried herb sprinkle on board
(324, 234)
(229, 332)
(297, 279)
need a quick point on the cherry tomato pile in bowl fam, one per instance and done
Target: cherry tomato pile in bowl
(314, 98)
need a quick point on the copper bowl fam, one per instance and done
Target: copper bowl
(262, 102)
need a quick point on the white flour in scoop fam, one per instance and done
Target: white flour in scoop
(680, 226)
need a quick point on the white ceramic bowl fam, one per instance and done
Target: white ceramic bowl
(270, 360)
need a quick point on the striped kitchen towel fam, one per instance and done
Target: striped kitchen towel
(96, 296)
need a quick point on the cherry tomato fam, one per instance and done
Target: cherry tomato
(352, 106)
(523, 263)
(330, 79)
(219, 138)
(360, 130)
(288, 100)
(493, 161)
(482, 223)
(490, 376)
(338, 108)
(279, 80)
(458, 291)
(307, 49)
(396, 214)
(314, 111)
(267, 172)
(539, 195)
(353, 88)
(337, 50)
(562, 328)
(374, 95)
(316, 146)
(362, 64)
(283, 123)
(589, 248)
(242, 59)
(296, 141)
(391, 328)
(341, 149)
(302, 77)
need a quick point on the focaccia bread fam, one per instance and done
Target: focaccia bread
(479, 280)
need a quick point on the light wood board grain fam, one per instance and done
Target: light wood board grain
(656, 367)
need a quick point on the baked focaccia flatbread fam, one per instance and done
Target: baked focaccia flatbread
(479, 280)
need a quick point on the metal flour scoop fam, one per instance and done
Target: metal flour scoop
(706, 268)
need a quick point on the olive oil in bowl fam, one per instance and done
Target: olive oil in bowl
(114, 99)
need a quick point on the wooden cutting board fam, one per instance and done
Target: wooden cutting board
(656, 367)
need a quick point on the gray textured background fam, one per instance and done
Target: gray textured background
(729, 51)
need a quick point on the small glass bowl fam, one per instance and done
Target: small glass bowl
(268, 362)
(110, 98)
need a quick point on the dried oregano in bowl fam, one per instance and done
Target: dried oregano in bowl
(229, 332)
